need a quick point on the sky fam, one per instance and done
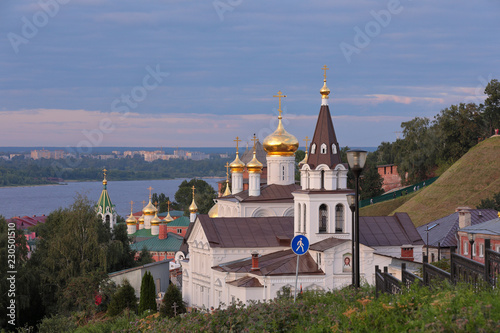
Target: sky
(88, 73)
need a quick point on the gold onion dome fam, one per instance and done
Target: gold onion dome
(325, 91)
(168, 218)
(281, 142)
(193, 208)
(149, 209)
(254, 166)
(214, 211)
(141, 219)
(304, 161)
(237, 165)
(155, 220)
(131, 219)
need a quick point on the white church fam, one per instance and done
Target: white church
(241, 250)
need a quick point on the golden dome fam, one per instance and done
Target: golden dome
(141, 219)
(149, 209)
(254, 166)
(168, 218)
(104, 181)
(227, 191)
(325, 91)
(237, 165)
(281, 142)
(156, 219)
(193, 208)
(304, 161)
(214, 211)
(131, 219)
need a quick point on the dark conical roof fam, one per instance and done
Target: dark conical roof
(324, 134)
(260, 153)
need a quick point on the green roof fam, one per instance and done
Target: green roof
(142, 233)
(182, 221)
(173, 213)
(172, 243)
(104, 202)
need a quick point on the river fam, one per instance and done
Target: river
(38, 200)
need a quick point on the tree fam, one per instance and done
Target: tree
(204, 195)
(145, 257)
(123, 299)
(491, 203)
(299, 156)
(173, 295)
(162, 202)
(370, 181)
(491, 113)
(148, 294)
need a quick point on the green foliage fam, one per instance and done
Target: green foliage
(173, 295)
(57, 323)
(162, 202)
(204, 195)
(370, 181)
(145, 257)
(492, 106)
(491, 203)
(148, 294)
(123, 299)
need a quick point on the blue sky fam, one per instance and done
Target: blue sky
(199, 73)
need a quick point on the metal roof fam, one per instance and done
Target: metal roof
(396, 230)
(170, 244)
(268, 193)
(491, 227)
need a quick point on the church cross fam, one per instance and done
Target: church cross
(193, 188)
(255, 139)
(104, 171)
(306, 140)
(150, 189)
(131, 206)
(280, 95)
(168, 204)
(325, 69)
(143, 203)
(174, 306)
(227, 171)
(237, 140)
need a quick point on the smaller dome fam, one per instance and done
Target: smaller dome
(214, 211)
(304, 161)
(227, 191)
(237, 165)
(254, 166)
(325, 91)
(193, 208)
(156, 220)
(149, 209)
(131, 220)
(104, 182)
(168, 218)
(141, 219)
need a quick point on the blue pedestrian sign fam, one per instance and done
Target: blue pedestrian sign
(300, 244)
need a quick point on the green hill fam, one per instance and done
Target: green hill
(473, 177)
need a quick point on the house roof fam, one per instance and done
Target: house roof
(170, 244)
(491, 227)
(324, 133)
(246, 232)
(276, 263)
(260, 153)
(246, 282)
(156, 263)
(27, 221)
(182, 221)
(393, 230)
(268, 193)
(327, 244)
(142, 233)
(443, 230)
(173, 213)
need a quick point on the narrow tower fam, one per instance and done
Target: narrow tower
(237, 167)
(227, 191)
(280, 147)
(149, 212)
(155, 223)
(193, 209)
(105, 209)
(254, 168)
(131, 221)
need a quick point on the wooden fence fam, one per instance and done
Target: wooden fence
(462, 269)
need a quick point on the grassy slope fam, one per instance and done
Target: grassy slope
(385, 208)
(474, 177)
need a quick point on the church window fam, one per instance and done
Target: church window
(305, 220)
(107, 219)
(299, 218)
(323, 148)
(282, 172)
(313, 148)
(339, 218)
(334, 149)
(322, 179)
(318, 258)
(323, 218)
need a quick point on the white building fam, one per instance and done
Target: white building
(241, 250)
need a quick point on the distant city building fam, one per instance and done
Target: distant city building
(43, 153)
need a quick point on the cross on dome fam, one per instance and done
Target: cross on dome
(237, 141)
(280, 95)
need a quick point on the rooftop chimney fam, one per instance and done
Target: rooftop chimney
(255, 261)
(464, 217)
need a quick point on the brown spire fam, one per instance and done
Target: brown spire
(324, 136)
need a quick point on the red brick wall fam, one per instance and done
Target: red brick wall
(390, 176)
(407, 253)
(478, 241)
(174, 230)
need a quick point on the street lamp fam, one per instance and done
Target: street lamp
(351, 201)
(472, 238)
(356, 159)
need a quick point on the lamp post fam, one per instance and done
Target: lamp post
(356, 159)
(471, 241)
(352, 205)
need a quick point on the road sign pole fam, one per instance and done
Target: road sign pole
(296, 278)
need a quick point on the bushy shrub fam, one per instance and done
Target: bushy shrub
(124, 298)
(173, 295)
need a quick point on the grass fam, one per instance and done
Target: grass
(445, 308)
(385, 208)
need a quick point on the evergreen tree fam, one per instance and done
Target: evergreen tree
(148, 294)
(145, 257)
(204, 195)
(491, 203)
(124, 298)
(173, 295)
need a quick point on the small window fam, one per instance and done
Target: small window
(481, 250)
(323, 218)
(466, 247)
(318, 258)
(282, 172)
(313, 148)
(323, 148)
(334, 149)
(179, 231)
(299, 216)
(497, 248)
(474, 250)
(305, 220)
(339, 218)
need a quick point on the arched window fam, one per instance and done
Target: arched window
(334, 149)
(305, 220)
(323, 148)
(108, 219)
(299, 218)
(313, 148)
(322, 179)
(323, 218)
(339, 218)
